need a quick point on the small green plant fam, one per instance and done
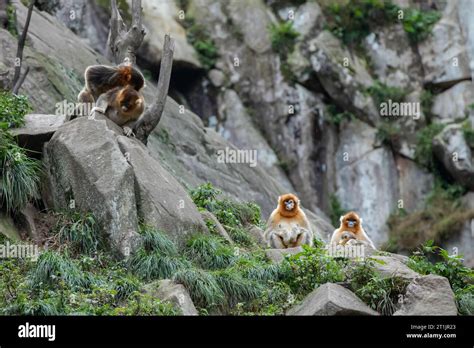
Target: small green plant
(19, 175)
(336, 210)
(210, 252)
(424, 146)
(311, 268)
(381, 93)
(283, 38)
(388, 133)
(468, 134)
(11, 20)
(80, 230)
(381, 294)
(199, 37)
(13, 109)
(427, 99)
(418, 24)
(335, 116)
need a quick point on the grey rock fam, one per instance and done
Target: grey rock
(451, 149)
(443, 54)
(8, 228)
(161, 201)
(217, 77)
(206, 215)
(331, 299)
(392, 265)
(415, 184)
(84, 163)
(453, 104)
(167, 290)
(38, 129)
(428, 295)
(257, 235)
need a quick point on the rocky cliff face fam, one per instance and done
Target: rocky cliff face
(313, 113)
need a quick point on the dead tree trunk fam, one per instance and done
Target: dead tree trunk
(122, 47)
(17, 78)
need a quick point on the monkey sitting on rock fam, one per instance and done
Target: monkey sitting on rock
(288, 226)
(351, 231)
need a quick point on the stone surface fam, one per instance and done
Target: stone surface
(451, 149)
(161, 201)
(84, 163)
(453, 104)
(331, 299)
(167, 290)
(428, 295)
(443, 54)
(219, 229)
(38, 129)
(415, 184)
(8, 228)
(391, 265)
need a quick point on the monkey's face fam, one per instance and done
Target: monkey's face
(130, 100)
(351, 221)
(289, 204)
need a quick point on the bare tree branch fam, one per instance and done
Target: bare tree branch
(152, 115)
(17, 86)
(19, 51)
(121, 43)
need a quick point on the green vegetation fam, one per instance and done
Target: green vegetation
(443, 216)
(424, 147)
(468, 134)
(336, 116)
(11, 20)
(79, 231)
(19, 174)
(381, 93)
(353, 21)
(388, 132)
(13, 109)
(199, 37)
(460, 277)
(283, 38)
(381, 294)
(336, 210)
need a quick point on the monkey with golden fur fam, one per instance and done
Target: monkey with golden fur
(115, 92)
(350, 223)
(288, 226)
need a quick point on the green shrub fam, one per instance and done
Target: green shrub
(13, 109)
(388, 132)
(336, 210)
(468, 134)
(353, 21)
(283, 38)
(199, 37)
(335, 116)
(210, 252)
(424, 146)
(311, 268)
(20, 175)
(80, 230)
(11, 20)
(235, 287)
(381, 93)
(418, 24)
(381, 294)
(202, 286)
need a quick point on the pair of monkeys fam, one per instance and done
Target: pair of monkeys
(115, 91)
(288, 227)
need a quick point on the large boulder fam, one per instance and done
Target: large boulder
(167, 290)
(343, 75)
(451, 148)
(443, 54)
(428, 295)
(161, 201)
(86, 170)
(38, 129)
(331, 299)
(393, 265)
(393, 59)
(453, 104)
